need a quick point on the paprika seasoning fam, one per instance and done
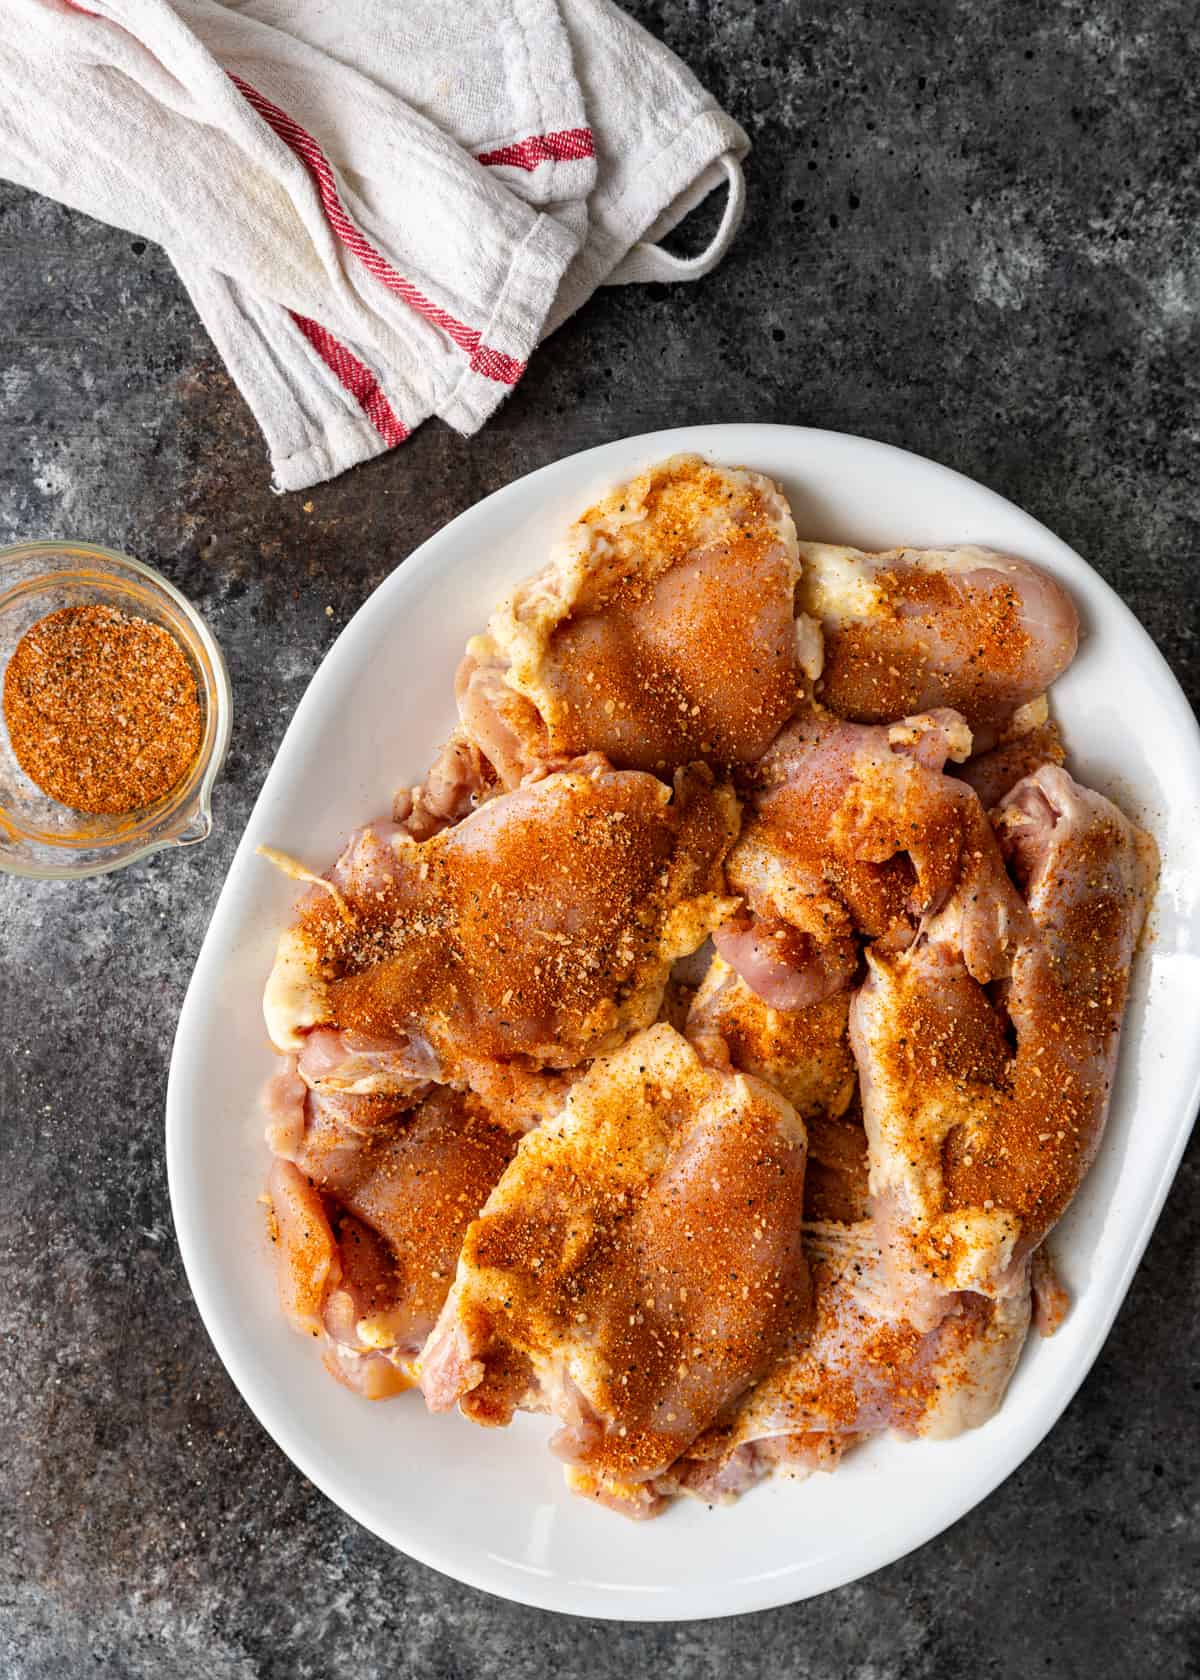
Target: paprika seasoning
(102, 709)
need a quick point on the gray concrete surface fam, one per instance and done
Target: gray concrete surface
(973, 231)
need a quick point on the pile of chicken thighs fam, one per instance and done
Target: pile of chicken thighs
(702, 1053)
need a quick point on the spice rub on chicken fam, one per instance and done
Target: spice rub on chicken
(537, 932)
(637, 1268)
(996, 772)
(985, 1084)
(369, 1200)
(803, 1053)
(916, 628)
(664, 632)
(866, 1370)
(854, 830)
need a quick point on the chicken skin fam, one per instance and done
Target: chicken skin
(985, 1103)
(914, 629)
(637, 1268)
(370, 1201)
(664, 632)
(537, 932)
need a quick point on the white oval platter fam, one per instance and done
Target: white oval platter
(488, 1507)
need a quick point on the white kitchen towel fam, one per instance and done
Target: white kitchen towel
(379, 209)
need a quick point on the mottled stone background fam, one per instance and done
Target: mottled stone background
(973, 232)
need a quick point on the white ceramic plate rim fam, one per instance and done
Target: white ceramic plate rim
(403, 1526)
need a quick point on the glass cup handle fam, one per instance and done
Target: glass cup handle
(198, 826)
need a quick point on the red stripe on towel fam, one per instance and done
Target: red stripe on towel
(492, 364)
(564, 145)
(357, 379)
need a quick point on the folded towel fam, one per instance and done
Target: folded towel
(379, 210)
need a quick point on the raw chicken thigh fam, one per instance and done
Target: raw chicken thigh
(535, 933)
(664, 633)
(985, 1104)
(636, 1269)
(370, 1202)
(917, 628)
(855, 830)
(864, 1371)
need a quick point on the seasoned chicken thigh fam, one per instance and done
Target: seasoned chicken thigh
(535, 933)
(864, 1371)
(854, 829)
(664, 632)
(914, 629)
(370, 1202)
(637, 1268)
(977, 1147)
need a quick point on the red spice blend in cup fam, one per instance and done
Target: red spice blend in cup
(102, 709)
